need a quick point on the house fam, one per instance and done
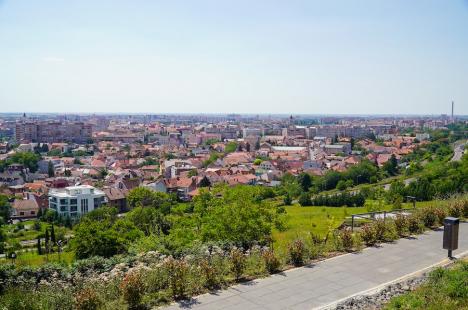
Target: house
(117, 198)
(24, 208)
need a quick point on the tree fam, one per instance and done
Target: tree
(238, 217)
(304, 200)
(52, 235)
(205, 182)
(192, 173)
(287, 199)
(103, 234)
(5, 209)
(145, 197)
(305, 181)
(47, 241)
(39, 248)
(391, 166)
(50, 169)
(230, 147)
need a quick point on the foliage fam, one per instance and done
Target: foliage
(237, 260)
(132, 288)
(87, 299)
(100, 233)
(230, 147)
(446, 289)
(272, 263)
(296, 251)
(304, 200)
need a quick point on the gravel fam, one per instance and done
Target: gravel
(377, 300)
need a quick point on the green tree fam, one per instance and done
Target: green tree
(51, 169)
(305, 181)
(205, 182)
(304, 200)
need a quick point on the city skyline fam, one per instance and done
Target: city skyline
(303, 58)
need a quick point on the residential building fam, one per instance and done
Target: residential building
(75, 201)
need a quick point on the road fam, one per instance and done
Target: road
(323, 284)
(458, 151)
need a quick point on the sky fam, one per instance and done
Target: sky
(239, 56)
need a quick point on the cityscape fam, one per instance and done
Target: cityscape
(248, 155)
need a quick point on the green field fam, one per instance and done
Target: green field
(31, 258)
(301, 221)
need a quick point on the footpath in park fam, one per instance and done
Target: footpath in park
(327, 282)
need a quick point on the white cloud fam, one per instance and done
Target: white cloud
(53, 59)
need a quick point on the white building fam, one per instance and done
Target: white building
(75, 201)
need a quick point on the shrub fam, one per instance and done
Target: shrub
(238, 262)
(87, 299)
(415, 226)
(368, 234)
(272, 263)
(304, 200)
(429, 217)
(456, 208)
(441, 214)
(401, 225)
(379, 227)
(178, 272)
(132, 288)
(296, 251)
(390, 233)
(210, 274)
(347, 239)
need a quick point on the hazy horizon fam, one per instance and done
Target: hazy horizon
(219, 57)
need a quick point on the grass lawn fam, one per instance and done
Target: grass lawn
(446, 289)
(33, 259)
(303, 220)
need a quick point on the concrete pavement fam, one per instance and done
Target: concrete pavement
(334, 279)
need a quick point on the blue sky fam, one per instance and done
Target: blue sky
(261, 56)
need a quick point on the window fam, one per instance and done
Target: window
(21, 213)
(53, 206)
(33, 212)
(73, 208)
(63, 201)
(63, 208)
(97, 202)
(84, 205)
(73, 201)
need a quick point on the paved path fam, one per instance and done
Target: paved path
(333, 279)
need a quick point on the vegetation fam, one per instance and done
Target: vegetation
(445, 289)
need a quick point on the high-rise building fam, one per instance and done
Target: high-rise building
(50, 132)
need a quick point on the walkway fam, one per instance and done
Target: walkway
(333, 279)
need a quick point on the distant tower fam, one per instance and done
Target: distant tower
(453, 104)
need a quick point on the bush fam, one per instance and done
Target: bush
(132, 288)
(272, 263)
(441, 214)
(429, 217)
(304, 200)
(210, 274)
(238, 262)
(87, 299)
(178, 272)
(390, 233)
(368, 234)
(347, 240)
(296, 251)
(415, 226)
(456, 208)
(401, 225)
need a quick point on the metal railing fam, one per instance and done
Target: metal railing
(372, 215)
